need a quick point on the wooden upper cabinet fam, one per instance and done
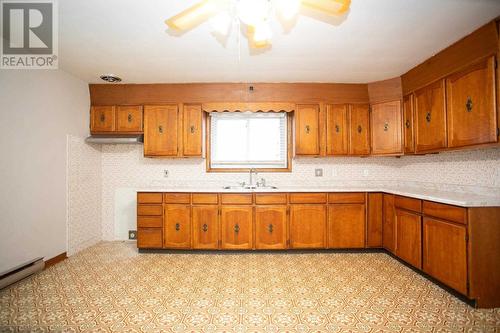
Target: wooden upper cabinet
(270, 227)
(192, 130)
(472, 114)
(389, 223)
(346, 226)
(445, 253)
(160, 130)
(359, 132)
(386, 130)
(102, 119)
(430, 118)
(129, 119)
(307, 226)
(236, 225)
(337, 130)
(307, 124)
(409, 237)
(205, 220)
(409, 136)
(177, 227)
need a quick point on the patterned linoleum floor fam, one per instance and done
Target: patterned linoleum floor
(111, 288)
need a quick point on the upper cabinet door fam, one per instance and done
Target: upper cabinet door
(337, 132)
(359, 134)
(386, 128)
(160, 130)
(102, 119)
(408, 124)
(129, 119)
(192, 128)
(472, 114)
(307, 130)
(430, 113)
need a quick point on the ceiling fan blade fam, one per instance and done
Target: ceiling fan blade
(193, 16)
(331, 7)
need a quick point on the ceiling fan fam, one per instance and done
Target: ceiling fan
(253, 15)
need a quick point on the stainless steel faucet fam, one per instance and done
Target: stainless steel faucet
(252, 171)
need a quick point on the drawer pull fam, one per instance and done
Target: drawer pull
(160, 129)
(205, 227)
(129, 118)
(191, 129)
(360, 128)
(177, 227)
(308, 129)
(270, 228)
(428, 117)
(337, 128)
(468, 105)
(102, 118)
(236, 228)
(407, 124)
(386, 127)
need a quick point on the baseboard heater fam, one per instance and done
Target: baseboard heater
(20, 272)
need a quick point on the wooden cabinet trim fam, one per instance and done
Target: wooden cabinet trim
(411, 204)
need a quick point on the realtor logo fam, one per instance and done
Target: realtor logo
(29, 34)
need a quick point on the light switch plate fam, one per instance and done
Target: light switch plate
(318, 172)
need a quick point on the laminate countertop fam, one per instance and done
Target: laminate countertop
(441, 196)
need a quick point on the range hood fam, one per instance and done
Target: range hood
(115, 139)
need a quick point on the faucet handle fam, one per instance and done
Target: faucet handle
(262, 182)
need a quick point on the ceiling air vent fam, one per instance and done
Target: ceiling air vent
(111, 78)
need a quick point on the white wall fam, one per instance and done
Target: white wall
(38, 108)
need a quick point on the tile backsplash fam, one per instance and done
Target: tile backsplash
(124, 167)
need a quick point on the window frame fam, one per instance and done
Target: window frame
(289, 148)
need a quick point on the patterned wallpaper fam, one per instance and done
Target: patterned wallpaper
(84, 174)
(124, 167)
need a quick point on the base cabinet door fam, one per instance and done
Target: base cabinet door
(205, 227)
(307, 226)
(270, 227)
(236, 225)
(409, 237)
(346, 226)
(445, 256)
(177, 227)
(389, 223)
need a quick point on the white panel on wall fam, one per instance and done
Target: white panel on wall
(84, 194)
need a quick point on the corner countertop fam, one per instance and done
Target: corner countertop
(441, 196)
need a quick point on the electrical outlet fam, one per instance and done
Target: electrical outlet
(165, 173)
(366, 173)
(318, 172)
(132, 234)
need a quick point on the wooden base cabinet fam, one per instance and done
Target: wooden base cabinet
(236, 227)
(205, 221)
(270, 227)
(445, 253)
(409, 237)
(177, 227)
(346, 226)
(389, 223)
(307, 226)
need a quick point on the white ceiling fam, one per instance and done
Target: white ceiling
(378, 39)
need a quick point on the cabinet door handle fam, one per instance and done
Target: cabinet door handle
(308, 129)
(129, 118)
(236, 228)
(177, 227)
(191, 129)
(270, 228)
(428, 117)
(468, 105)
(160, 129)
(205, 227)
(360, 128)
(407, 124)
(386, 127)
(337, 128)
(102, 117)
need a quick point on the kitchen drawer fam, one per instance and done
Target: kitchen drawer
(179, 198)
(149, 221)
(205, 198)
(351, 197)
(149, 198)
(238, 199)
(149, 238)
(445, 212)
(414, 205)
(149, 210)
(270, 198)
(305, 198)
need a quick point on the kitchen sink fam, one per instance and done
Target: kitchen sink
(249, 187)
